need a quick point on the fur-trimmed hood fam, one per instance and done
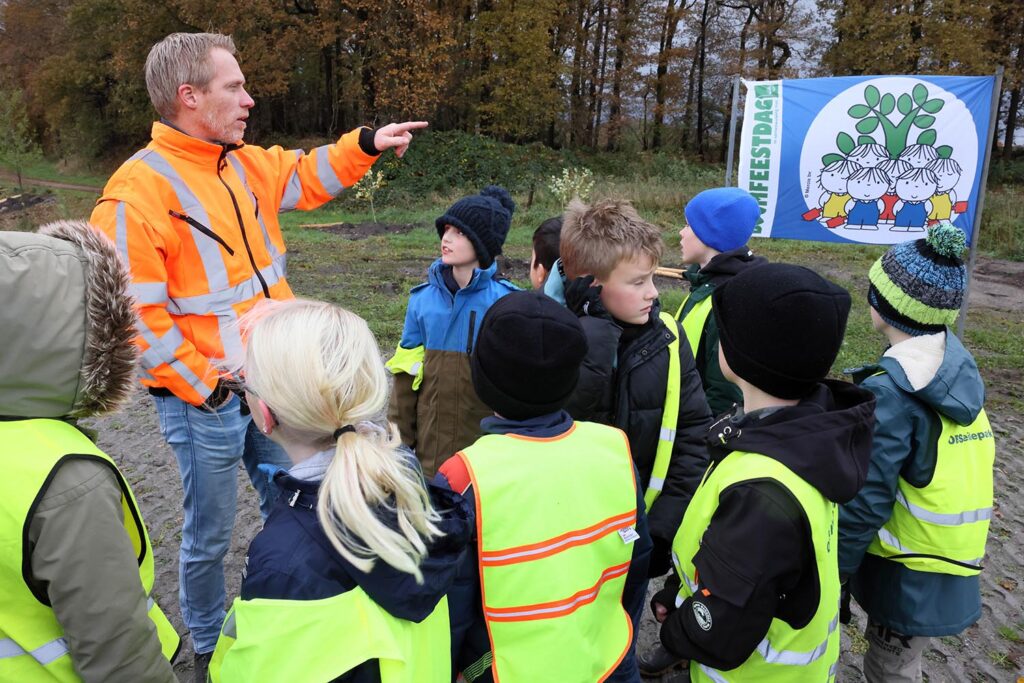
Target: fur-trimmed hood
(67, 323)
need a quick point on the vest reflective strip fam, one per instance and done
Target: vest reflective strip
(944, 519)
(669, 418)
(240, 170)
(557, 608)
(220, 302)
(711, 673)
(794, 658)
(885, 536)
(536, 551)
(293, 189)
(209, 249)
(325, 172)
(44, 654)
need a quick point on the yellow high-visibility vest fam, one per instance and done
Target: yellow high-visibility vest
(555, 527)
(693, 322)
(312, 641)
(32, 644)
(785, 654)
(942, 527)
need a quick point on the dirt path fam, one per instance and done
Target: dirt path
(25, 180)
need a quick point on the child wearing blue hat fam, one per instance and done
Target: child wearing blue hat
(719, 222)
(433, 401)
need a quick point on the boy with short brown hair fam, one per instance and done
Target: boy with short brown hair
(609, 255)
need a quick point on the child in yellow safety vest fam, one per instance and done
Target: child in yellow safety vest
(347, 579)
(556, 584)
(755, 593)
(913, 540)
(713, 243)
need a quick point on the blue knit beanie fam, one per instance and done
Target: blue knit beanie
(484, 218)
(723, 217)
(918, 286)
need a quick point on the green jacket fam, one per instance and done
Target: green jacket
(721, 393)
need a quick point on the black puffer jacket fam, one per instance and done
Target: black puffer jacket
(622, 383)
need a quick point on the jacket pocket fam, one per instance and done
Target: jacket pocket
(201, 228)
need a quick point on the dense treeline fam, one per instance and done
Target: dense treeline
(597, 74)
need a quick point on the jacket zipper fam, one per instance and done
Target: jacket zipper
(241, 223)
(202, 228)
(469, 339)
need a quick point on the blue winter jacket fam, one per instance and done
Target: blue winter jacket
(441, 415)
(291, 559)
(905, 444)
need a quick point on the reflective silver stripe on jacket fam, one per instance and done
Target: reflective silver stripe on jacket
(325, 172)
(293, 189)
(240, 170)
(944, 519)
(44, 654)
(216, 303)
(161, 350)
(667, 434)
(656, 483)
(794, 657)
(209, 250)
(885, 536)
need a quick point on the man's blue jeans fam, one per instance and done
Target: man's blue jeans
(208, 446)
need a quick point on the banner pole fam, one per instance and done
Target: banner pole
(732, 129)
(973, 252)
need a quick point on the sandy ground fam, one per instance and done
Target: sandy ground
(981, 653)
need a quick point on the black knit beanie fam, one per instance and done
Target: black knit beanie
(780, 327)
(527, 357)
(484, 218)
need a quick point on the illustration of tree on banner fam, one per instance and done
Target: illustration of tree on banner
(888, 180)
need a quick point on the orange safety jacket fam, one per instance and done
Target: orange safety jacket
(197, 224)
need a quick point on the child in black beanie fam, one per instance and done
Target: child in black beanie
(558, 576)
(433, 402)
(756, 578)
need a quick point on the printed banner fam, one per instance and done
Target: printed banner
(870, 159)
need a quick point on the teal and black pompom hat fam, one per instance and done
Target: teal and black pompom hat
(918, 286)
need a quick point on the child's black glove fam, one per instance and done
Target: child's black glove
(583, 299)
(845, 614)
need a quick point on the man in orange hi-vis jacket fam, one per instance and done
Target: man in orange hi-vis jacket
(195, 216)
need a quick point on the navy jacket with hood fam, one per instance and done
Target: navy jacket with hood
(756, 558)
(905, 445)
(291, 559)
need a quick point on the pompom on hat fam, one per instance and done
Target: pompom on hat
(918, 286)
(484, 218)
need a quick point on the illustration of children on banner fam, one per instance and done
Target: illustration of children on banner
(888, 182)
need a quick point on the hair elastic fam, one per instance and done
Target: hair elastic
(341, 430)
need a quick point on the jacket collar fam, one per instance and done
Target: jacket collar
(481, 276)
(181, 144)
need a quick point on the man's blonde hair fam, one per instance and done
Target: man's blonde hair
(599, 236)
(318, 367)
(178, 59)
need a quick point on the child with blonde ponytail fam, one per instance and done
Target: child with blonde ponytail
(348, 578)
